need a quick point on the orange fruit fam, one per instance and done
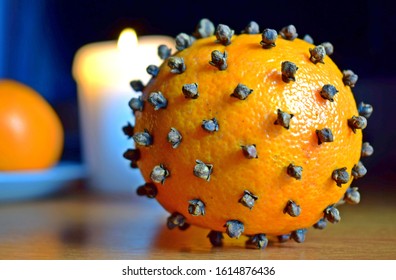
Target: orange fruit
(292, 183)
(30, 131)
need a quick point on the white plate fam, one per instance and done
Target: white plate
(33, 184)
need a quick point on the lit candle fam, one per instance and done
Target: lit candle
(103, 71)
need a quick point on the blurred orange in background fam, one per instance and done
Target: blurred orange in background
(31, 132)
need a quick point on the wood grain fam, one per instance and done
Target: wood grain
(125, 227)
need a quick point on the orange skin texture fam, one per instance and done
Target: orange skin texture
(250, 121)
(30, 131)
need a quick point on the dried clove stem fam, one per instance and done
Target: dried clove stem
(159, 174)
(268, 38)
(219, 60)
(251, 28)
(324, 135)
(234, 228)
(248, 199)
(204, 29)
(176, 64)
(289, 70)
(340, 176)
(283, 119)
(203, 170)
(196, 207)
(257, 241)
(289, 32)
(224, 34)
(294, 171)
(148, 189)
(317, 54)
(328, 92)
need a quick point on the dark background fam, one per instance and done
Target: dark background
(38, 40)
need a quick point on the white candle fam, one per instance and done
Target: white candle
(103, 71)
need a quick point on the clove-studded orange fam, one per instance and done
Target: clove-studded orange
(248, 135)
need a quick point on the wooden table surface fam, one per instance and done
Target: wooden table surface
(84, 226)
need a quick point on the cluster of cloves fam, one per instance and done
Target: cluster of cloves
(196, 207)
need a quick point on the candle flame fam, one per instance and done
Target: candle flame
(127, 40)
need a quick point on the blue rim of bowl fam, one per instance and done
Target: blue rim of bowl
(19, 185)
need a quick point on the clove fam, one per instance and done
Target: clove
(367, 150)
(216, 238)
(292, 209)
(203, 170)
(158, 100)
(352, 196)
(340, 176)
(241, 92)
(132, 155)
(176, 64)
(137, 85)
(248, 199)
(268, 38)
(251, 28)
(128, 130)
(183, 41)
(204, 29)
(358, 170)
(365, 110)
(234, 228)
(136, 104)
(190, 90)
(148, 189)
(283, 119)
(294, 171)
(299, 235)
(174, 137)
(164, 52)
(289, 32)
(152, 70)
(317, 54)
(329, 48)
(249, 151)
(224, 34)
(283, 238)
(321, 224)
(176, 220)
(196, 207)
(257, 241)
(219, 60)
(307, 38)
(289, 70)
(210, 125)
(328, 92)
(143, 138)
(324, 135)
(159, 174)
(349, 78)
(332, 214)
(357, 122)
